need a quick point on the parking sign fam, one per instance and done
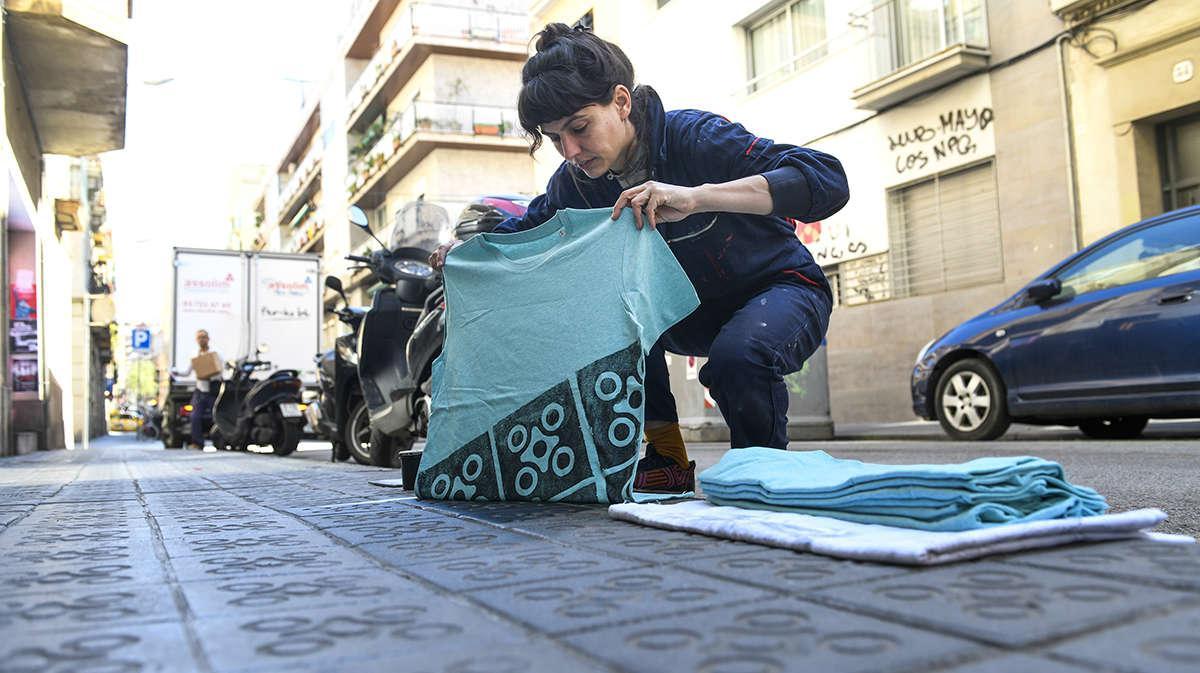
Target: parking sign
(141, 339)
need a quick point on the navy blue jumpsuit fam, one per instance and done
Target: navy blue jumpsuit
(765, 303)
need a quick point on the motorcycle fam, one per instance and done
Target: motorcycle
(263, 412)
(402, 334)
(340, 414)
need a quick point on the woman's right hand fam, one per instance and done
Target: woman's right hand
(438, 259)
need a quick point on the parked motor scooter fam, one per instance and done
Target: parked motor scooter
(263, 412)
(340, 415)
(402, 333)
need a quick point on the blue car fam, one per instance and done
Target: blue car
(1105, 340)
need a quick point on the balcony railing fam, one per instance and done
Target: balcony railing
(300, 176)
(904, 32)
(304, 233)
(420, 19)
(428, 117)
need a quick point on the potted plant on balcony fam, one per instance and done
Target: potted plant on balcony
(487, 129)
(424, 124)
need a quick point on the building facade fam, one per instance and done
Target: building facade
(984, 141)
(420, 106)
(59, 111)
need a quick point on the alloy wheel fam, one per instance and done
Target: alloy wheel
(966, 401)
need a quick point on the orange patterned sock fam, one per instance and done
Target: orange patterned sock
(668, 441)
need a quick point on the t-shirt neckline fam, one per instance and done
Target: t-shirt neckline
(557, 226)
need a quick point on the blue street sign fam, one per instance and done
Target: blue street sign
(141, 339)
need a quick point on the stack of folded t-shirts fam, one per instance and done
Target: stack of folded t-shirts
(976, 494)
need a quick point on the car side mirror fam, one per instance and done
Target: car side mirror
(1043, 290)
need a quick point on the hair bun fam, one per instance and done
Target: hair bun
(552, 34)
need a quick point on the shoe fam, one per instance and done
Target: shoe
(658, 474)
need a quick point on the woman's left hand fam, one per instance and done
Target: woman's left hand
(654, 202)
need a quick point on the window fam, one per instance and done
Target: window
(785, 41)
(945, 233)
(1154, 252)
(907, 31)
(1179, 151)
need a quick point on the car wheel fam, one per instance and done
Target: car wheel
(357, 434)
(970, 402)
(1118, 427)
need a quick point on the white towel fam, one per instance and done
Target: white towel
(886, 544)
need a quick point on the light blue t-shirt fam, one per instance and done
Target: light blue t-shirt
(538, 392)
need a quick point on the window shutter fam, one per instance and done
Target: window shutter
(945, 233)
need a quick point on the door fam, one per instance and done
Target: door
(1124, 324)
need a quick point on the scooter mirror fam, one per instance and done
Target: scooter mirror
(358, 218)
(334, 283)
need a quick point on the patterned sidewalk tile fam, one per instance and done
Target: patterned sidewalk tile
(572, 604)
(998, 603)
(1164, 564)
(781, 635)
(1168, 644)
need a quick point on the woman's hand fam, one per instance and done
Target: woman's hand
(654, 202)
(438, 259)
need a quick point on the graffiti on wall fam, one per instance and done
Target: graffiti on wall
(950, 135)
(830, 242)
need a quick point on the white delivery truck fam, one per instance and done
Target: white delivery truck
(243, 300)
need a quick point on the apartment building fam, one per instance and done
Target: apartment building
(1134, 100)
(420, 105)
(55, 311)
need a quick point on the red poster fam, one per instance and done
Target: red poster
(23, 303)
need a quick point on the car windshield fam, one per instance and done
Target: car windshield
(1153, 252)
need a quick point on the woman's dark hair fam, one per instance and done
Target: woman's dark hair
(573, 68)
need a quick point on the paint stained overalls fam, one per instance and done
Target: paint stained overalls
(765, 303)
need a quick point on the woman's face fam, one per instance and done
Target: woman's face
(597, 138)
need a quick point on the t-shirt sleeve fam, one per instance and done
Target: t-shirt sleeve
(656, 290)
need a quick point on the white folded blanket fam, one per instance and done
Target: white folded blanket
(886, 544)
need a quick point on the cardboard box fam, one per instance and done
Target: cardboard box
(206, 365)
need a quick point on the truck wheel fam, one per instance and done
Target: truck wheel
(384, 448)
(357, 434)
(288, 437)
(970, 402)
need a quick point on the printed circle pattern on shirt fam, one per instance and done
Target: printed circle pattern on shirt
(575, 432)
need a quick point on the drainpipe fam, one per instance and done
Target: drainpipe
(1069, 137)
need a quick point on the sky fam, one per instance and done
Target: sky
(212, 86)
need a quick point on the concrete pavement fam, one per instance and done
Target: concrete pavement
(128, 557)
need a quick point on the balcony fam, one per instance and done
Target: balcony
(920, 45)
(414, 133)
(423, 29)
(300, 187)
(73, 63)
(306, 234)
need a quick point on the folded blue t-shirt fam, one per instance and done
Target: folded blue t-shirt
(538, 392)
(976, 494)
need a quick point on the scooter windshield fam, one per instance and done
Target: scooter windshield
(420, 224)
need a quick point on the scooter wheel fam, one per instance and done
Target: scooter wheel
(288, 438)
(385, 448)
